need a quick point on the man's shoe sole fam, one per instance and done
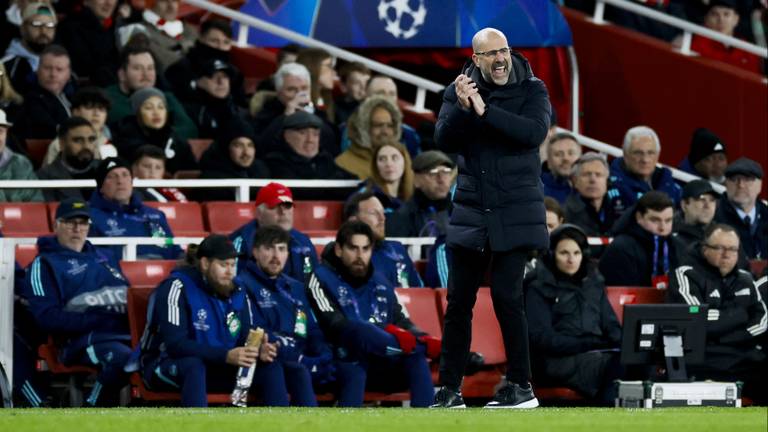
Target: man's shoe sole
(451, 407)
(533, 403)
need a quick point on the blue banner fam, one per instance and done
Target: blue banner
(411, 23)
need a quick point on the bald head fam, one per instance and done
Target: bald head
(481, 37)
(491, 56)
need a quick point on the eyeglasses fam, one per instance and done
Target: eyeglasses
(640, 153)
(492, 53)
(40, 24)
(435, 172)
(721, 249)
(284, 205)
(75, 223)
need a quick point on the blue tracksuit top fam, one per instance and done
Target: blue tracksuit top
(110, 219)
(632, 188)
(391, 260)
(186, 319)
(302, 251)
(78, 297)
(281, 308)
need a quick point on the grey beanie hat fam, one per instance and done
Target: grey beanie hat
(140, 96)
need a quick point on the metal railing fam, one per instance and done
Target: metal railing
(247, 21)
(617, 152)
(688, 28)
(413, 244)
(242, 186)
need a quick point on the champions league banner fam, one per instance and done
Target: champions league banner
(411, 23)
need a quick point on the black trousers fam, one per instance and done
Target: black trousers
(467, 271)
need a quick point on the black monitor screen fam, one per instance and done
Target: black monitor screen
(646, 324)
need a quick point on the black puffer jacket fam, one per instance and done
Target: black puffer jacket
(569, 315)
(130, 135)
(499, 198)
(628, 260)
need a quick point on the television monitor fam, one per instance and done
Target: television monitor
(672, 333)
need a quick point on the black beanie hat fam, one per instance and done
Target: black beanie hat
(704, 143)
(108, 165)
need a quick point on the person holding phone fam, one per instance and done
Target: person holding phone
(494, 115)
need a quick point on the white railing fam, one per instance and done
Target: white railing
(247, 21)
(414, 244)
(688, 28)
(241, 186)
(617, 152)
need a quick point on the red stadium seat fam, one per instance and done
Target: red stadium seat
(24, 219)
(49, 361)
(421, 267)
(223, 217)
(25, 253)
(52, 206)
(486, 340)
(758, 267)
(199, 146)
(146, 273)
(317, 215)
(421, 304)
(36, 150)
(618, 296)
(184, 218)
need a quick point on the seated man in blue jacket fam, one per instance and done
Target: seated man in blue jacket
(118, 212)
(197, 323)
(78, 296)
(274, 206)
(281, 308)
(636, 172)
(390, 258)
(376, 345)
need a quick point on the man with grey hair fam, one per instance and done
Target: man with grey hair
(274, 206)
(592, 205)
(562, 151)
(293, 87)
(636, 172)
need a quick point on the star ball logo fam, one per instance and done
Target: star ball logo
(403, 18)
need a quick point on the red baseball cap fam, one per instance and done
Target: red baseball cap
(274, 194)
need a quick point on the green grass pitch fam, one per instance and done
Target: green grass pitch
(752, 419)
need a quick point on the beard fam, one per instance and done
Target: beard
(81, 160)
(37, 46)
(223, 289)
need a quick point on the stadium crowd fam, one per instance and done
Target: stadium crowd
(120, 94)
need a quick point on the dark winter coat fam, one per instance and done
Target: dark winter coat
(183, 74)
(216, 164)
(92, 47)
(40, 114)
(569, 315)
(499, 199)
(629, 259)
(754, 242)
(287, 164)
(419, 217)
(594, 223)
(130, 135)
